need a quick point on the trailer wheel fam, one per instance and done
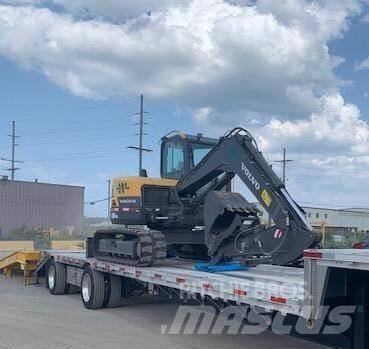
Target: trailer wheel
(93, 289)
(56, 278)
(113, 293)
(47, 274)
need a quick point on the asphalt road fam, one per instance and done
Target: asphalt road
(31, 318)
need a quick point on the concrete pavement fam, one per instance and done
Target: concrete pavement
(31, 318)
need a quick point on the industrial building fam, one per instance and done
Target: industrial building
(337, 221)
(33, 205)
(342, 221)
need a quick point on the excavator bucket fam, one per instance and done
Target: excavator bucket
(224, 214)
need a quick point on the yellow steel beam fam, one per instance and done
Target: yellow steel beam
(26, 260)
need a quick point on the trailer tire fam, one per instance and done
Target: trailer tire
(46, 274)
(113, 294)
(56, 278)
(93, 289)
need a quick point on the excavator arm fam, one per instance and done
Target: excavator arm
(231, 224)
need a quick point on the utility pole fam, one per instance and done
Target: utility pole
(269, 216)
(284, 162)
(109, 199)
(12, 160)
(141, 134)
(140, 147)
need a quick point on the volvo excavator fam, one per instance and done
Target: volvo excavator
(191, 211)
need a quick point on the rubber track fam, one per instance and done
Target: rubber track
(151, 244)
(160, 247)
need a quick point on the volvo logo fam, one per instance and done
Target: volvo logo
(249, 175)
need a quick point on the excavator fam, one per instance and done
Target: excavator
(191, 211)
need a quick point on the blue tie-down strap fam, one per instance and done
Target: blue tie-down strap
(230, 266)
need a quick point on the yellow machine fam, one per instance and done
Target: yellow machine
(127, 197)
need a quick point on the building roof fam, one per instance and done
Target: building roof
(350, 209)
(2, 181)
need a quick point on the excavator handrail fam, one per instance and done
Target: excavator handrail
(237, 131)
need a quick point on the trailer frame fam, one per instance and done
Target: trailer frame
(300, 292)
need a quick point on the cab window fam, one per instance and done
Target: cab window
(173, 159)
(199, 151)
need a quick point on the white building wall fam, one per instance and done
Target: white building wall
(353, 218)
(339, 218)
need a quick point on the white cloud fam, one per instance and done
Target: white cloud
(336, 128)
(263, 64)
(206, 53)
(363, 65)
(202, 115)
(330, 150)
(326, 18)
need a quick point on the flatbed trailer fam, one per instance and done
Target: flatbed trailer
(329, 278)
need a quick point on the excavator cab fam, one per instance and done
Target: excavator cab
(180, 153)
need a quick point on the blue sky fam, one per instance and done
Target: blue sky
(71, 75)
(94, 150)
(354, 48)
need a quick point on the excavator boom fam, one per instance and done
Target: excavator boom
(225, 213)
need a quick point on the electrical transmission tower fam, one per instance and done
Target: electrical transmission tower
(140, 148)
(284, 161)
(13, 162)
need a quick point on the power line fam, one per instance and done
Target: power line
(161, 130)
(13, 169)
(96, 201)
(70, 111)
(102, 156)
(77, 141)
(63, 156)
(80, 129)
(170, 115)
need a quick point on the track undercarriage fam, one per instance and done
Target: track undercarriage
(138, 247)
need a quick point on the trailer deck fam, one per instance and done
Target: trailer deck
(269, 287)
